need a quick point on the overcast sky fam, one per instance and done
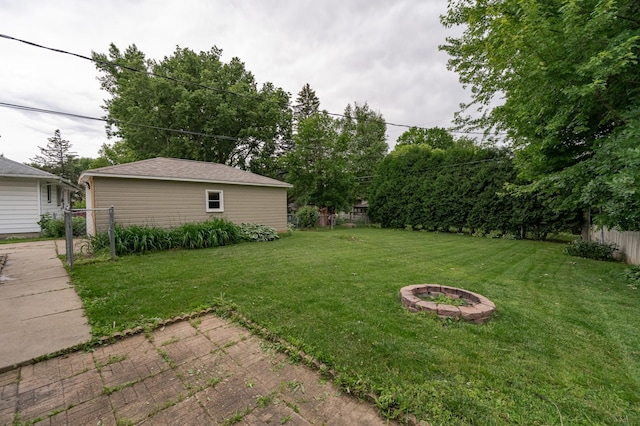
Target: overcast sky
(384, 52)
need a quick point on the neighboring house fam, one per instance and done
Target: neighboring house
(168, 192)
(359, 213)
(26, 193)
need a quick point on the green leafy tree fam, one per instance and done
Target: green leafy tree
(56, 157)
(318, 166)
(217, 108)
(435, 137)
(365, 133)
(568, 73)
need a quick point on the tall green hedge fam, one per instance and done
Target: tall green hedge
(461, 188)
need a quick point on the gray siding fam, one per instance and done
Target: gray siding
(172, 203)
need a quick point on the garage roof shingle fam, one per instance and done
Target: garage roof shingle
(183, 170)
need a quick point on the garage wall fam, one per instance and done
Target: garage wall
(172, 203)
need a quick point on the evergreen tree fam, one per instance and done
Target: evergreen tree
(56, 157)
(307, 104)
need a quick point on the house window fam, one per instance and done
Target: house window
(48, 193)
(58, 195)
(215, 201)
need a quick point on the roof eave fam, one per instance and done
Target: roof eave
(84, 178)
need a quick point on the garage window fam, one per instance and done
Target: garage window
(215, 201)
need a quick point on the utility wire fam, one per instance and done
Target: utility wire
(192, 83)
(86, 117)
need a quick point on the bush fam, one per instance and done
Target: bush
(255, 232)
(54, 228)
(51, 227)
(633, 275)
(308, 216)
(79, 225)
(591, 250)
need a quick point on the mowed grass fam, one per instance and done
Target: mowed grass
(562, 348)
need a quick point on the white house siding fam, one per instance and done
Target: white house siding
(54, 207)
(18, 206)
(172, 203)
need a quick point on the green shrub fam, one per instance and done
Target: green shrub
(79, 225)
(308, 216)
(54, 228)
(633, 275)
(591, 250)
(256, 232)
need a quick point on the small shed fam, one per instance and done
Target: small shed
(27, 193)
(168, 192)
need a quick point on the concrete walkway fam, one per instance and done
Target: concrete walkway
(40, 312)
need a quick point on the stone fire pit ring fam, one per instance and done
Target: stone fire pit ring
(478, 310)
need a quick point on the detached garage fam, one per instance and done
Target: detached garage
(168, 192)
(26, 193)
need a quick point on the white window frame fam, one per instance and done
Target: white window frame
(214, 191)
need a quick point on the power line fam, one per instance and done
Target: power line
(86, 117)
(149, 73)
(192, 83)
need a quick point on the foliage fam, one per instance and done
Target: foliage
(56, 157)
(222, 115)
(256, 232)
(365, 132)
(307, 103)
(435, 137)
(567, 72)
(51, 227)
(421, 187)
(54, 228)
(308, 216)
(137, 239)
(549, 346)
(591, 250)
(633, 275)
(318, 167)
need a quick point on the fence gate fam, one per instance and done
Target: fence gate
(68, 231)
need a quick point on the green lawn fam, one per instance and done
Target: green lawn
(562, 348)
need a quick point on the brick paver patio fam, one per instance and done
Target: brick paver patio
(202, 371)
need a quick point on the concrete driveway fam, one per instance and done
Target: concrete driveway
(40, 312)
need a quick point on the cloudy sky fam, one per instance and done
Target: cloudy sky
(384, 52)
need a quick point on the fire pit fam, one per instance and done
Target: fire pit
(447, 302)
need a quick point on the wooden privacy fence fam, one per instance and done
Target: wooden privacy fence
(628, 242)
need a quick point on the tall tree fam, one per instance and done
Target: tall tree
(568, 73)
(56, 157)
(191, 105)
(435, 137)
(318, 166)
(307, 103)
(365, 132)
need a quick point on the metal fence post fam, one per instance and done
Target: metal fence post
(68, 236)
(111, 231)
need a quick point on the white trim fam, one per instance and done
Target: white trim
(39, 189)
(206, 197)
(223, 182)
